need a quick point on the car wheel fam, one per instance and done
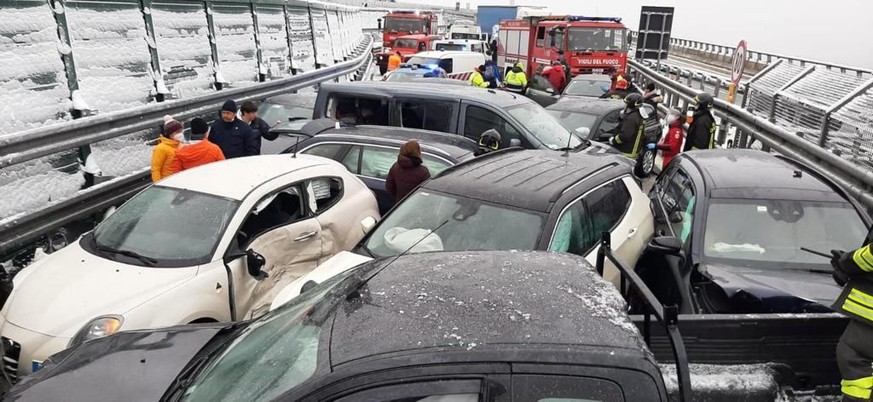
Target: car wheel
(645, 164)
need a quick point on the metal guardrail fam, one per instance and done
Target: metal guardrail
(857, 182)
(667, 316)
(49, 140)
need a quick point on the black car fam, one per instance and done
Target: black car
(601, 118)
(461, 110)
(734, 223)
(370, 151)
(521, 200)
(472, 326)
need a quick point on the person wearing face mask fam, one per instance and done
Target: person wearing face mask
(232, 135)
(165, 151)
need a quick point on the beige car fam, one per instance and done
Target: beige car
(208, 244)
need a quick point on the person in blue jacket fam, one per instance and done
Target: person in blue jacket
(234, 137)
(493, 74)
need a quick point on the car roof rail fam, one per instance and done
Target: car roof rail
(668, 316)
(477, 159)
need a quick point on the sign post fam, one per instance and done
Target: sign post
(737, 67)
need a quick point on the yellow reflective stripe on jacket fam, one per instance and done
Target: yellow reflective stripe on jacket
(863, 258)
(859, 388)
(477, 80)
(712, 135)
(861, 298)
(636, 150)
(858, 309)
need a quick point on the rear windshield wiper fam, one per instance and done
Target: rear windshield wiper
(127, 253)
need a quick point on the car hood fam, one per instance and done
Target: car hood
(339, 263)
(138, 365)
(754, 290)
(56, 296)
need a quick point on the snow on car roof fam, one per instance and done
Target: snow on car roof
(471, 300)
(235, 178)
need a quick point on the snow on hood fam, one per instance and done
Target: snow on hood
(59, 294)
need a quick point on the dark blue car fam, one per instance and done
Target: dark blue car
(731, 226)
(369, 152)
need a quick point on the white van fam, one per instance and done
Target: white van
(458, 65)
(460, 45)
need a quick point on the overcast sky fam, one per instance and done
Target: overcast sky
(838, 31)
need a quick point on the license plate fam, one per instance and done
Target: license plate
(597, 71)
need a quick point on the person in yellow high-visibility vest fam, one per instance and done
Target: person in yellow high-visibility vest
(854, 271)
(516, 79)
(477, 79)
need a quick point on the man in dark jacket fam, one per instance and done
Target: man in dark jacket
(701, 132)
(260, 128)
(629, 139)
(232, 135)
(408, 172)
(493, 74)
(854, 271)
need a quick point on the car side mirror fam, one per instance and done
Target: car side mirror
(550, 91)
(668, 245)
(515, 142)
(255, 263)
(583, 132)
(367, 224)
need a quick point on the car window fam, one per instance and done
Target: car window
(678, 198)
(572, 120)
(555, 388)
(540, 83)
(323, 193)
(280, 208)
(541, 35)
(607, 205)
(573, 232)
(427, 115)
(168, 224)
(377, 161)
(352, 159)
(610, 122)
(329, 151)
(543, 126)
(447, 64)
(449, 390)
(354, 109)
(434, 165)
(478, 120)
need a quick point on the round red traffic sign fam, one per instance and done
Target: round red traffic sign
(739, 62)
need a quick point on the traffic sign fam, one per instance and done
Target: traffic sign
(739, 63)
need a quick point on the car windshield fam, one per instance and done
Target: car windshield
(596, 39)
(456, 223)
(544, 127)
(772, 232)
(459, 35)
(168, 225)
(573, 120)
(406, 43)
(273, 113)
(591, 88)
(410, 25)
(277, 352)
(423, 61)
(450, 46)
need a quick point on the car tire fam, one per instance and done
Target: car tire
(645, 164)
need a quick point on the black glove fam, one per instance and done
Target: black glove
(839, 276)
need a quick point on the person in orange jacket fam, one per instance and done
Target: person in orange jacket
(394, 61)
(198, 153)
(672, 144)
(165, 151)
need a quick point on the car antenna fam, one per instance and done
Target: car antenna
(569, 140)
(294, 155)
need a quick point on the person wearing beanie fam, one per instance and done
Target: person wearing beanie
(408, 172)
(232, 135)
(200, 152)
(165, 151)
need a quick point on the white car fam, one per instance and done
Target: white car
(194, 247)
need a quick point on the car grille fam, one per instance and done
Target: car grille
(11, 354)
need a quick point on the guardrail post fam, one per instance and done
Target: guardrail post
(290, 41)
(314, 44)
(157, 74)
(80, 108)
(213, 45)
(259, 53)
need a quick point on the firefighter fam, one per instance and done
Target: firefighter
(701, 132)
(516, 79)
(620, 91)
(854, 271)
(629, 139)
(477, 79)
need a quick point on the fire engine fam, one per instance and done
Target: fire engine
(591, 45)
(402, 23)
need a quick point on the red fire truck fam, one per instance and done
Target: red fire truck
(591, 45)
(403, 23)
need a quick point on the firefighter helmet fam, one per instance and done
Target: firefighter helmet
(703, 101)
(633, 101)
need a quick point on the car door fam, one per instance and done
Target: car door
(611, 207)
(477, 119)
(541, 91)
(281, 229)
(427, 114)
(608, 126)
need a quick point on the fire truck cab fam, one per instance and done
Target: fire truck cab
(401, 24)
(591, 45)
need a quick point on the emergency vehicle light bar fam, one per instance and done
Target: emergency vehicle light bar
(583, 18)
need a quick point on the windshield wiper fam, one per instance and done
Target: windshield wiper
(215, 346)
(584, 143)
(367, 250)
(128, 253)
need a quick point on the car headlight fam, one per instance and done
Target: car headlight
(97, 328)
